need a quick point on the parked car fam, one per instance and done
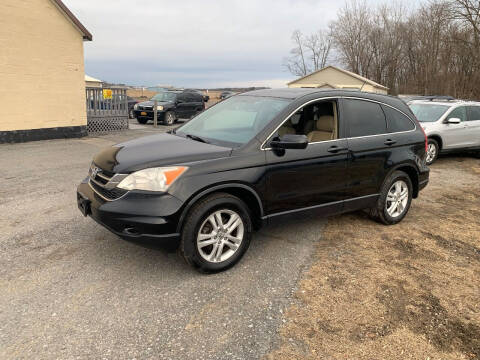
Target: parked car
(226, 94)
(171, 105)
(206, 98)
(410, 98)
(131, 103)
(449, 125)
(255, 156)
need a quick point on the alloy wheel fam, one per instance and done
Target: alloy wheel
(220, 235)
(431, 152)
(169, 118)
(397, 199)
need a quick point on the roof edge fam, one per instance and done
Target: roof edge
(87, 36)
(359, 77)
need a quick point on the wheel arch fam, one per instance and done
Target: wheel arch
(438, 139)
(412, 173)
(244, 192)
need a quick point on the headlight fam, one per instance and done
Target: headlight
(159, 107)
(135, 107)
(153, 179)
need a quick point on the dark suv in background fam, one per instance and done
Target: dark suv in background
(171, 106)
(256, 156)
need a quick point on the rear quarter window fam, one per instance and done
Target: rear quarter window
(396, 121)
(364, 118)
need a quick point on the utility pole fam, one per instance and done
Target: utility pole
(155, 113)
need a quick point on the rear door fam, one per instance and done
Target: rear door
(371, 147)
(473, 125)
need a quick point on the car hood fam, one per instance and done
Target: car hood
(154, 151)
(151, 103)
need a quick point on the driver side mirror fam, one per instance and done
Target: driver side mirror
(289, 141)
(454, 121)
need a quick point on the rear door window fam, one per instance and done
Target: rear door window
(396, 121)
(473, 113)
(364, 118)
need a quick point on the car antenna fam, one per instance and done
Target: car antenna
(363, 85)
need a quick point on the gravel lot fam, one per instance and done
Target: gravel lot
(409, 291)
(71, 289)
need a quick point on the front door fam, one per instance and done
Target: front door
(456, 135)
(307, 178)
(182, 106)
(314, 177)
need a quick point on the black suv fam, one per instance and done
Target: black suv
(171, 106)
(255, 156)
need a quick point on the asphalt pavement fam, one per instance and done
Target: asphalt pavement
(71, 289)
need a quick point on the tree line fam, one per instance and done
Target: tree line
(432, 50)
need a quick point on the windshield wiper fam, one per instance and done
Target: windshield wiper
(196, 138)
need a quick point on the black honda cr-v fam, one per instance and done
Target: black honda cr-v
(254, 156)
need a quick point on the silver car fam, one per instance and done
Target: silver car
(449, 125)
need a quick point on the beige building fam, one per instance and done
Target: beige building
(92, 82)
(42, 84)
(332, 77)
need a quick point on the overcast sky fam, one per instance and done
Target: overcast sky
(197, 43)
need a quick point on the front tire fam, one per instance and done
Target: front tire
(395, 199)
(433, 149)
(217, 233)
(169, 118)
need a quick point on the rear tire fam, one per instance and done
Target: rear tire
(142, 121)
(395, 199)
(433, 151)
(216, 247)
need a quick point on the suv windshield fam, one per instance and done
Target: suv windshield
(235, 121)
(427, 112)
(164, 96)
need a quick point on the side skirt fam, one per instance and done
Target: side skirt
(333, 208)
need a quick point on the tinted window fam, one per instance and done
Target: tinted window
(396, 121)
(460, 113)
(364, 118)
(189, 97)
(474, 113)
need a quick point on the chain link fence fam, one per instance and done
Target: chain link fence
(107, 110)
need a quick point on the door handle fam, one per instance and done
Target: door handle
(335, 149)
(390, 142)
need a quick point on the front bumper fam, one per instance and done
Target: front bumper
(134, 216)
(148, 114)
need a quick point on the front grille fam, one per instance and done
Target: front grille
(101, 185)
(145, 107)
(106, 194)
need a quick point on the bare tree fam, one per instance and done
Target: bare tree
(310, 53)
(434, 50)
(318, 46)
(297, 62)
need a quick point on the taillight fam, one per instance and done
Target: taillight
(424, 135)
(426, 139)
